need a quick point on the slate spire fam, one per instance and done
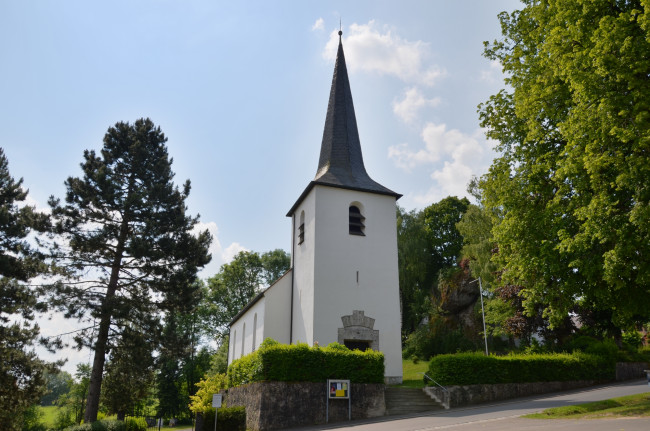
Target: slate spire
(341, 160)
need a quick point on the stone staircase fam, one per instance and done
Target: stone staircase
(405, 401)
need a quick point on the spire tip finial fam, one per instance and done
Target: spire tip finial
(340, 28)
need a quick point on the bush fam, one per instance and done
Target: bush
(201, 401)
(301, 363)
(436, 338)
(135, 424)
(228, 419)
(103, 425)
(476, 368)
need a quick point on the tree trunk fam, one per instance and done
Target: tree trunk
(95, 385)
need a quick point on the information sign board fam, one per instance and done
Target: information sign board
(339, 389)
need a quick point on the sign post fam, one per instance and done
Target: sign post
(216, 403)
(338, 390)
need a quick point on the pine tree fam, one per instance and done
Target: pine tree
(127, 240)
(22, 374)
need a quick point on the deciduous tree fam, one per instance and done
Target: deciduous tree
(238, 282)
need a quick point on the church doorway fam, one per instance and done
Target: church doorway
(358, 333)
(357, 344)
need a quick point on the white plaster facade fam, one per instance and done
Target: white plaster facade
(254, 323)
(336, 273)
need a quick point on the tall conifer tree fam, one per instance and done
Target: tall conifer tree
(127, 240)
(22, 374)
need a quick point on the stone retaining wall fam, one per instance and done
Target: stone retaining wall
(479, 394)
(279, 405)
(630, 370)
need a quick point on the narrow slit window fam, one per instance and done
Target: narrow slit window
(357, 226)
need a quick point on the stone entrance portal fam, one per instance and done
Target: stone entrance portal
(357, 332)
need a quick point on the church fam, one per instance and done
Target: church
(343, 283)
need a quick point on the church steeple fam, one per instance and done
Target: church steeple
(341, 161)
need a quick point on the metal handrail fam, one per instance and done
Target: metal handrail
(437, 384)
(446, 396)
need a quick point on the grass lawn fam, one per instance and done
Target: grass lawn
(629, 406)
(49, 415)
(411, 377)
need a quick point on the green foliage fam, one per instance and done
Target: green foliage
(228, 419)
(274, 264)
(135, 424)
(127, 220)
(57, 384)
(219, 361)
(237, 283)
(102, 425)
(632, 340)
(568, 195)
(22, 373)
(201, 401)
(129, 374)
(33, 419)
(476, 368)
(438, 337)
(427, 242)
(416, 276)
(180, 366)
(72, 404)
(301, 363)
(475, 226)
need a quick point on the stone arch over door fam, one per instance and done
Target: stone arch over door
(358, 330)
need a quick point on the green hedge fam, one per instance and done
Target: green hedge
(301, 363)
(476, 368)
(228, 419)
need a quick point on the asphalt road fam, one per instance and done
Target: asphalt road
(506, 415)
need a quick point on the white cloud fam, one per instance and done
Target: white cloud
(369, 49)
(454, 156)
(318, 25)
(232, 250)
(219, 254)
(413, 101)
(493, 74)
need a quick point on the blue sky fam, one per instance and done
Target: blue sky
(241, 88)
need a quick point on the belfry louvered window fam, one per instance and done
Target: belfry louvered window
(357, 226)
(301, 229)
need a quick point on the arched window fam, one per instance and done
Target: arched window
(243, 339)
(234, 345)
(356, 221)
(301, 228)
(254, 331)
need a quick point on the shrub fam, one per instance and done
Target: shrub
(301, 363)
(476, 368)
(103, 425)
(438, 337)
(135, 424)
(202, 400)
(228, 419)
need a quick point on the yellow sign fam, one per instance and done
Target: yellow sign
(339, 389)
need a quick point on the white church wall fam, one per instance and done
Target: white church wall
(247, 332)
(278, 301)
(303, 276)
(341, 256)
